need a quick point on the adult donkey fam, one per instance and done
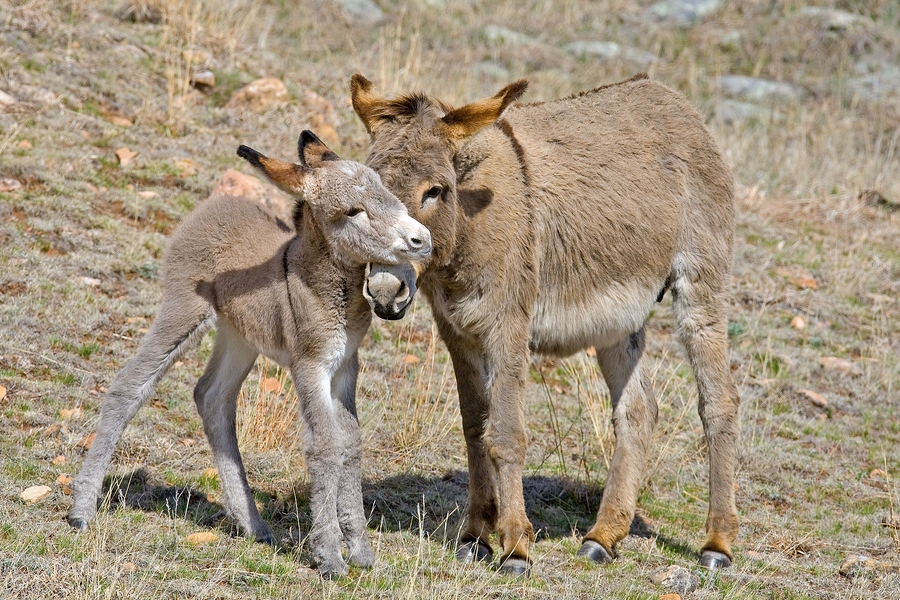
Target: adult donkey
(293, 294)
(557, 226)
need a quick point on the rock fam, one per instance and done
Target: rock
(753, 88)
(87, 441)
(70, 414)
(235, 183)
(363, 12)
(815, 397)
(59, 460)
(270, 384)
(609, 50)
(35, 493)
(891, 521)
(411, 359)
(129, 566)
(89, 281)
(879, 80)
(10, 185)
(798, 323)
(835, 20)
(203, 80)
(676, 579)
(858, 564)
(64, 481)
(799, 276)
(842, 365)
(877, 199)
(670, 597)
(2, 392)
(260, 96)
(734, 112)
(201, 538)
(7, 101)
(683, 12)
(187, 166)
(500, 34)
(125, 156)
(25, 145)
(147, 194)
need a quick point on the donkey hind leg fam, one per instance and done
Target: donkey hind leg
(351, 514)
(174, 331)
(482, 511)
(216, 398)
(700, 312)
(322, 447)
(634, 419)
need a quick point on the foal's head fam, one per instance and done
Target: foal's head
(358, 219)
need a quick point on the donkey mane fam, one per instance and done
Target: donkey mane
(409, 105)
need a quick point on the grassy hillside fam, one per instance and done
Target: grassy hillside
(814, 141)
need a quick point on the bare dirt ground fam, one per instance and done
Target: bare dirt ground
(106, 144)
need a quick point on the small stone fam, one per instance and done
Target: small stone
(260, 96)
(118, 119)
(35, 493)
(210, 473)
(59, 460)
(2, 392)
(683, 12)
(7, 101)
(125, 156)
(816, 398)
(89, 281)
(25, 145)
(10, 185)
(270, 384)
(64, 481)
(734, 112)
(670, 597)
(799, 276)
(756, 89)
(235, 183)
(798, 323)
(187, 166)
(129, 566)
(147, 194)
(87, 440)
(364, 12)
(188, 442)
(676, 579)
(891, 521)
(411, 359)
(610, 50)
(203, 80)
(70, 413)
(200, 538)
(857, 565)
(842, 365)
(498, 33)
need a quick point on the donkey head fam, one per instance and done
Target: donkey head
(358, 219)
(414, 142)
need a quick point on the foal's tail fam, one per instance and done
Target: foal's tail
(175, 330)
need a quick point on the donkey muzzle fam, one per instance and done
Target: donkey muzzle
(390, 289)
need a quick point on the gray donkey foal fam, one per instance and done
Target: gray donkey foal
(292, 294)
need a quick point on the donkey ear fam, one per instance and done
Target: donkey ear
(288, 176)
(467, 120)
(313, 151)
(366, 102)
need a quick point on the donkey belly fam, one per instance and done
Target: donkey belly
(599, 319)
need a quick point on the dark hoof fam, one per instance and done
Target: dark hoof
(595, 551)
(265, 538)
(714, 560)
(473, 550)
(78, 523)
(515, 566)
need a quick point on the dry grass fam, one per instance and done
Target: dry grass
(80, 254)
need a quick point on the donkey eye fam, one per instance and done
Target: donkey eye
(432, 193)
(354, 211)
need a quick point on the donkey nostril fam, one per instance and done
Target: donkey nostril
(415, 242)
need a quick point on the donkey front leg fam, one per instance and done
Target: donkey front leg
(174, 331)
(216, 398)
(505, 441)
(351, 513)
(322, 446)
(634, 419)
(481, 514)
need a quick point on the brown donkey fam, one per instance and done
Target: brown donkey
(293, 294)
(557, 226)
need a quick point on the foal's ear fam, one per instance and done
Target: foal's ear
(462, 122)
(313, 151)
(288, 176)
(366, 102)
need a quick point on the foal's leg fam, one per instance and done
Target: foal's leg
(481, 515)
(178, 327)
(634, 419)
(351, 513)
(216, 398)
(700, 311)
(322, 447)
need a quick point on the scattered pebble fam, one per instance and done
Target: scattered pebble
(87, 440)
(204, 80)
(842, 365)
(125, 156)
(10, 185)
(798, 323)
(129, 566)
(857, 564)
(200, 538)
(260, 96)
(676, 579)
(411, 359)
(270, 384)
(89, 281)
(35, 493)
(816, 398)
(25, 145)
(70, 413)
(147, 194)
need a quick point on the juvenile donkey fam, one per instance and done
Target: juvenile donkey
(293, 294)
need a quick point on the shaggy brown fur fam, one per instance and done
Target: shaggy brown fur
(556, 226)
(292, 294)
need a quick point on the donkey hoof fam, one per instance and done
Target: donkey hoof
(473, 551)
(265, 538)
(714, 560)
(596, 552)
(332, 569)
(78, 523)
(519, 567)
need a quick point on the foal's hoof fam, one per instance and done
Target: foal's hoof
(714, 560)
(595, 551)
(333, 569)
(78, 523)
(473, 551)
(519, 567)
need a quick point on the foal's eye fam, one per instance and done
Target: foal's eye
(354, 211)
(432, 193)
